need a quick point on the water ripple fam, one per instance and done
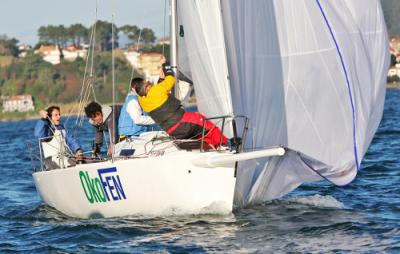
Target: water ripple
(362, 217)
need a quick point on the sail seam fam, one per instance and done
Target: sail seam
(347, 80)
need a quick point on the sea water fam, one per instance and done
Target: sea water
(363, 217)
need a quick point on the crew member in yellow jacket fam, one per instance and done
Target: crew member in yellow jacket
(168, 112)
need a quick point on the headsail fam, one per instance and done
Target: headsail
(309, 74)
(202, 55)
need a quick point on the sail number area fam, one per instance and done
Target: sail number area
(100, 188)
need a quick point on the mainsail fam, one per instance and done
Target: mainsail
(202, 55)
(310, 75)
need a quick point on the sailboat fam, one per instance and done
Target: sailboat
(300, 83)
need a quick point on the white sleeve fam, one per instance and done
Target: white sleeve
(135, 112)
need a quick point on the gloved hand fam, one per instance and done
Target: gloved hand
(97, 150)
(167, 69)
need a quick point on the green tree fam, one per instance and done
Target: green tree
(148, 35)
(104, 35)
(61, 35)
(43, 35)
(31, 65)
(393, 79)
(78, 33)
(9, 88)
(392, 60)
(50, 34)
(132, 32)
(8, 46)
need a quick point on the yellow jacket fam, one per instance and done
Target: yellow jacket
(157, 95)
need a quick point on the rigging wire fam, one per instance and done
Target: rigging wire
(137, 50)
(88, 79)
(133, 67)
(113, 82)
(164, 29)
(85, 82)
(92, 59)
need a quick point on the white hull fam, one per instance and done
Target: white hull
(145, 186)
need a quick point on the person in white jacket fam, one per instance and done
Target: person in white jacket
(133, 121)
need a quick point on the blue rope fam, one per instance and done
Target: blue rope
(347, 80)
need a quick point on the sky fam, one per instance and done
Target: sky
(21, 19)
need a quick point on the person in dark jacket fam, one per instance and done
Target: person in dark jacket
(51, 121)
(168, 112)
(103, 118)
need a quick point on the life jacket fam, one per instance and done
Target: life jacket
(126, 125)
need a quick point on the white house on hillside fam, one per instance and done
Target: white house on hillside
(20, 103)
(23, 50)
(164, 41)
(71, 53)
(148, 64)
(132, 57)
(51, 53)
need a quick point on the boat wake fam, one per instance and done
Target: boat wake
(215, 208)
(318, 201)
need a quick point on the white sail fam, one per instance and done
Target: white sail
(202, 55)
(309, 74)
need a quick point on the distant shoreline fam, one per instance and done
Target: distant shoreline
(72, 107)
(34, 117)
(395, 85)
(69, 109)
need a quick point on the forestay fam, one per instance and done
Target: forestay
(309, 74)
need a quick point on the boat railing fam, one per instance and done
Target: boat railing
(237, 140)
(34, 155)
(47, 153)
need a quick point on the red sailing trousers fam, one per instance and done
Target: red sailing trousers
(191, 126)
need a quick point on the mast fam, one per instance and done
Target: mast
(173, 48)
(112, 136)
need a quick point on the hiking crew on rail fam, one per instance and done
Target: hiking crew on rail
(168, 112)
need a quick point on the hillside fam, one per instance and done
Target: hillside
(62, 83)
(391, 10)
